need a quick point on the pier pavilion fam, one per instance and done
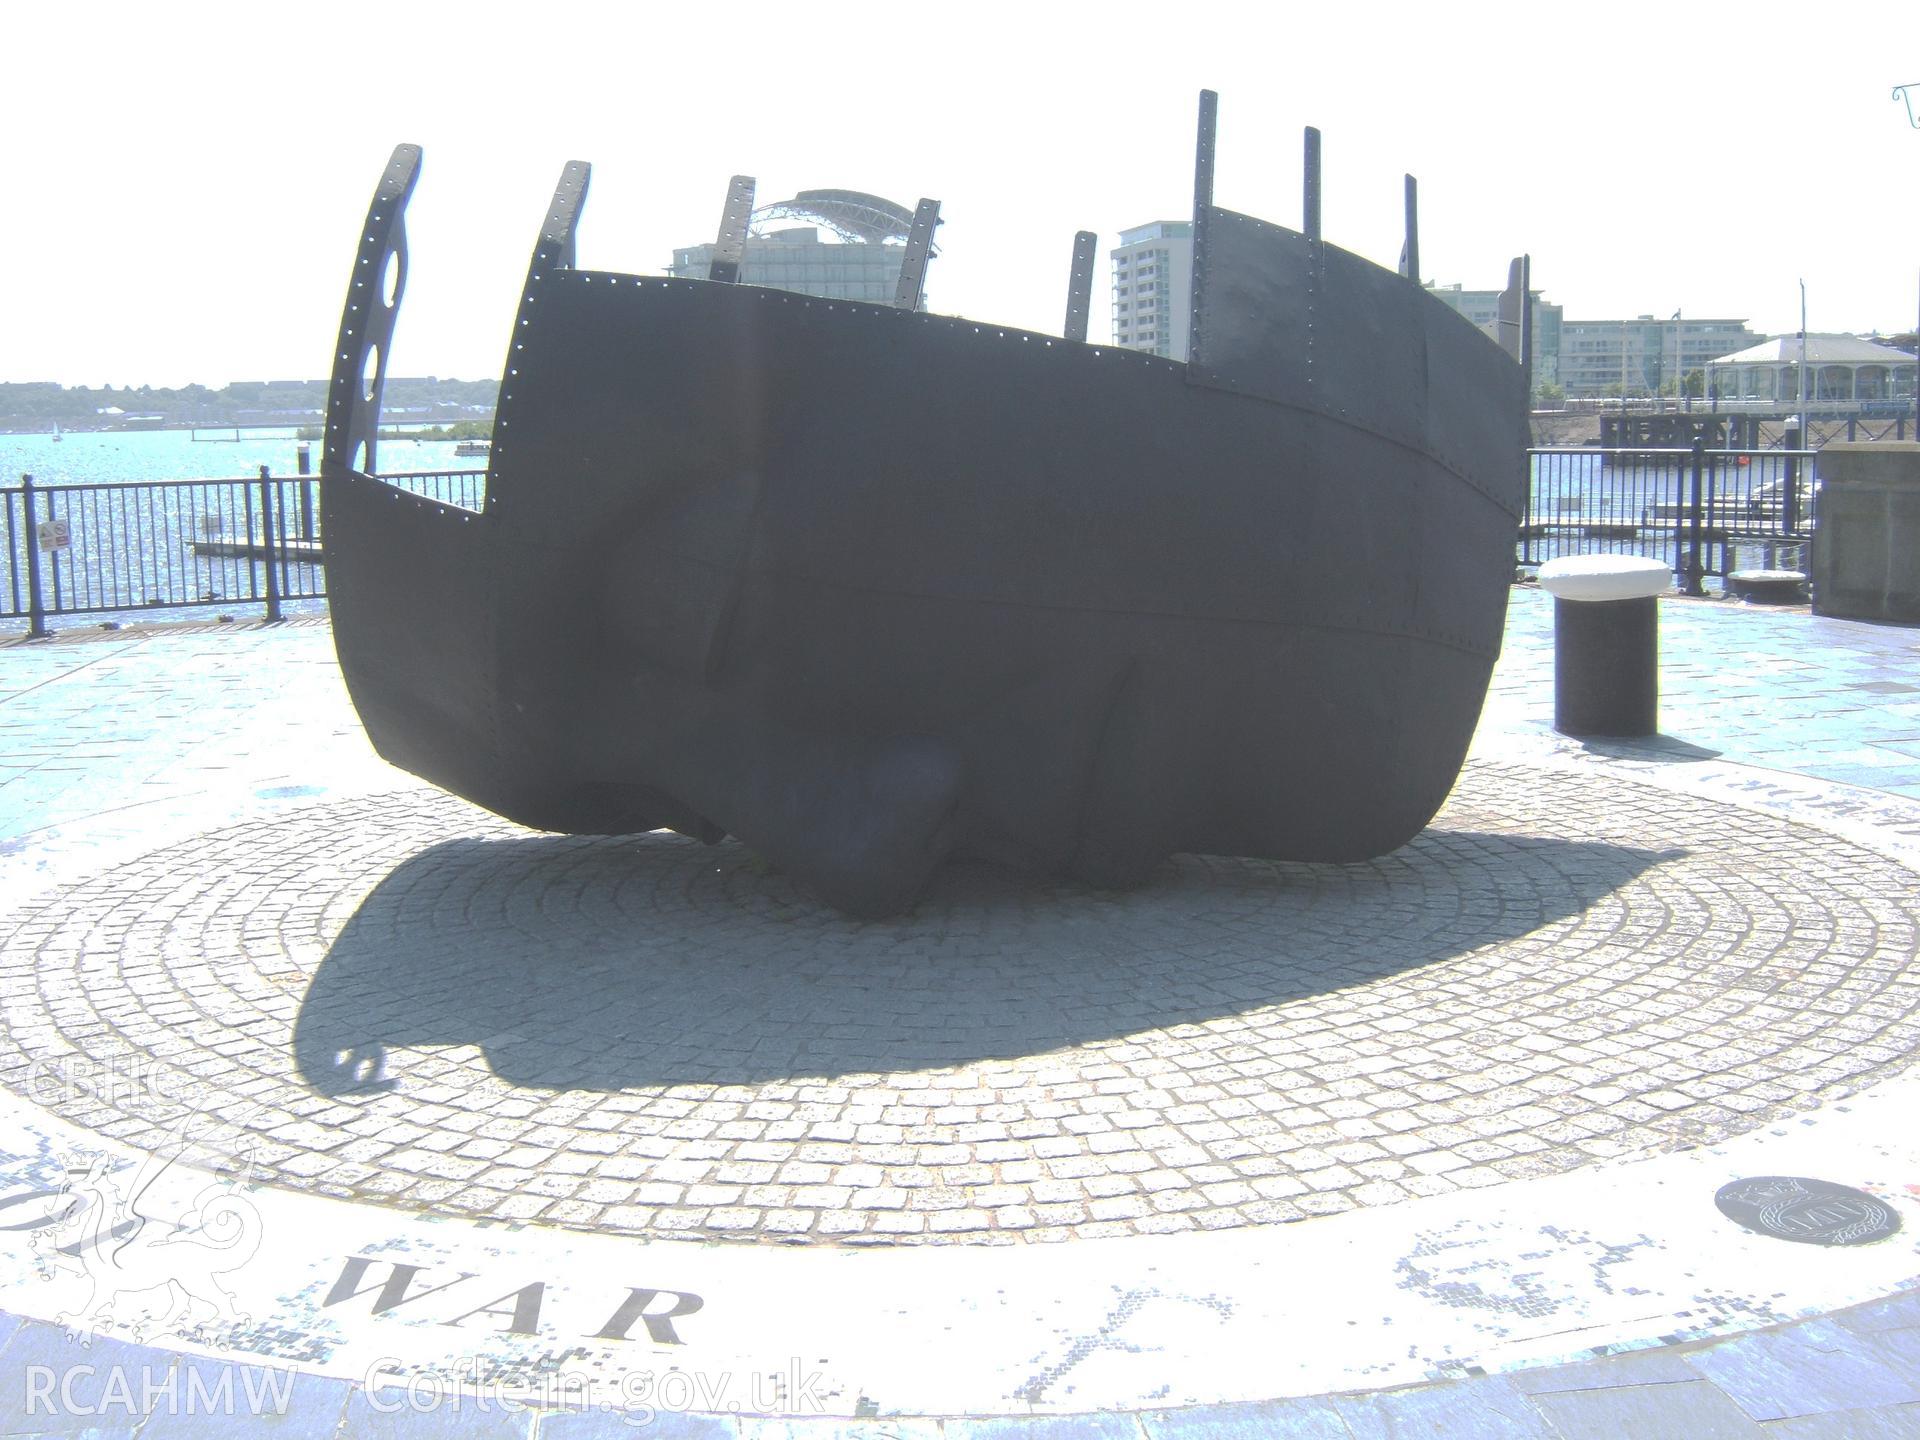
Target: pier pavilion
(1840, 368)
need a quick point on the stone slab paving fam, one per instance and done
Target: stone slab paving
(1849, 1377)
(1781, 978)
(1761, 685)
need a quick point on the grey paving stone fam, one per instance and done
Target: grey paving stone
(1696, 1410)
(105, 1430)
(1896, 1312)
(1893, 1422)
(391, 1417)
(1631, 1367)
(1808, 1369)
(1898, 1348)
(1094, 1426)
(624, 1425)
(50, 1385)
(214, 1398)
(825, 1428)
(1312, 1419)
(1487, 1408)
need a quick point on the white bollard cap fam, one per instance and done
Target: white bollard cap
(1605, 577)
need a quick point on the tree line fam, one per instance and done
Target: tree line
(42, 405)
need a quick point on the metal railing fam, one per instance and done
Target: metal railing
(1899, 407)
(1706, 512)
(85, 549)
(98, 550)
(1874, 425)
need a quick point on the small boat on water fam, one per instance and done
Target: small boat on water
(473, 447)
(868, 587)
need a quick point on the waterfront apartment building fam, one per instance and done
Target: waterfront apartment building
(1153, 288)
(1639, 356)
(1482, 307)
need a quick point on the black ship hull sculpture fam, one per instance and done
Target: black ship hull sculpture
(869, 588)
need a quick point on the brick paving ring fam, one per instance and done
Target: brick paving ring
(401, 999)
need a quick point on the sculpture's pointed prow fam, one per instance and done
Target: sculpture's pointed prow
(366, 325)
(406, 575)
(913, 265)
(1310, 185)
(730, 246)
(1410, 251)
(1079, 286)
(1202, 206)
(1516, 316)
(553, 251)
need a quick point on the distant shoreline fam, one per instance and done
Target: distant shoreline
(466, 429)
(30, 408)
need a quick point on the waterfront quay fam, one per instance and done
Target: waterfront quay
(87, 551)
(531, 1135)
(113, 527)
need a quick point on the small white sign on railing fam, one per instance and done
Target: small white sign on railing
(55, 535)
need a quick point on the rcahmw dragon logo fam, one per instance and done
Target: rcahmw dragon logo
(148, 1250)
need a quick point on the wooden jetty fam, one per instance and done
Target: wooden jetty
(302, 552)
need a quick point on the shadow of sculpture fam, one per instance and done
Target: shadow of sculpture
(604, 964)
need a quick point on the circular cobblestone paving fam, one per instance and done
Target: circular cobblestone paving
(406, 1000)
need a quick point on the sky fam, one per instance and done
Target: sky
(185, 182)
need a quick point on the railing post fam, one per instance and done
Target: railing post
(272, 549)
(1679, 534)
(1526, 513)
(1791, 439)
(36, 606)
(1696, 519)
(303, 462)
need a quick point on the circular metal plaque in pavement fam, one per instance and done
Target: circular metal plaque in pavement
(1813, 1212)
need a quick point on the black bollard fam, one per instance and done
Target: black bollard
(1606, 642)
(1606, 673)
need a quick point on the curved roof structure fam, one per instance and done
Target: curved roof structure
(1820, 350)
(852, 215)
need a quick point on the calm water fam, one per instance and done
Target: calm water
(132, 549)
(1570, 493)
(100, 458)
(1608, 492)
(1578, 504)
